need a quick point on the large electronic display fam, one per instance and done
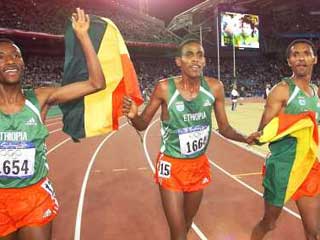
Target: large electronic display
(240, 30)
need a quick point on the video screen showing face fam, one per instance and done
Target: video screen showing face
(240, 30)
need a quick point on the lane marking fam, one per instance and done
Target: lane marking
(143, 168)
(58, 145)
(241, 145)
(293, 213)
(56, 130)
(120, 170)
(250, 188)
(51, 119)
(193, 226)
(77, 230)
(247, 174)
(53, 123)
(221, 169)
(126, 169)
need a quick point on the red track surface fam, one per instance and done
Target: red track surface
(122, 202)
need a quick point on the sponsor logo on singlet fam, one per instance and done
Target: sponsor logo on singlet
(302, 101)
(180, 106)
(31, 122)
(207, 103)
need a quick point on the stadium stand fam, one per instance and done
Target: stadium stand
(152, 59)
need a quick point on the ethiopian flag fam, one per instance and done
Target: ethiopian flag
(293, 146)
(98, 113)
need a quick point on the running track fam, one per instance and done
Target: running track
(106, 191)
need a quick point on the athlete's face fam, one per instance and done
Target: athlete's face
(192, 60)
(301, 59)
(11, 63)
(246, 29)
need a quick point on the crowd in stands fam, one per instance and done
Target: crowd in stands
(33, 15)
(36, 16)
(252, 74)
(151, 70)
(296, 22)
(43, 71)
(135, 28)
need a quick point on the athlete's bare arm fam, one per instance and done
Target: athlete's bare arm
(157, 99)
(276, 102)
(220, 113)
(225, 128)
(49, 96)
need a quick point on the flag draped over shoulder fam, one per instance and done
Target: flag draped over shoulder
(98, 113)
(304, 129)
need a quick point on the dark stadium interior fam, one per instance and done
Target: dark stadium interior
(38, 27)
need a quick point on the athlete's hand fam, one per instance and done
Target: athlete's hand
(253, 138)
(80, 22)
(129, 107)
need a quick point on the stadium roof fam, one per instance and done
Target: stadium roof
(185, 19)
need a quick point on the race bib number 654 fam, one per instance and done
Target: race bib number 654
(17, 160)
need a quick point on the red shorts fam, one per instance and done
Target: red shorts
(311, 185)
(34, 205)
(186, 175)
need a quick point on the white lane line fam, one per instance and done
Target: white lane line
(249, 187)
(56, 130)
(126, 169)
(293, 213)
(145, 146)
(53, 123)
(120, 170)
(241, 145)
(143, 168)
(247, 174)
(58, 145)
(194, 226)
(51, 119)
(77, 230)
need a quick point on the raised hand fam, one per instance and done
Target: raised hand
(80, 22)
(129, 108)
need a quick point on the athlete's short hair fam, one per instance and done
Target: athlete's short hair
(7, 40)
(306, 41)
(185, 42)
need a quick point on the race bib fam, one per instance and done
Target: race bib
(17, 159)
(164, 169)
(193, 139)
